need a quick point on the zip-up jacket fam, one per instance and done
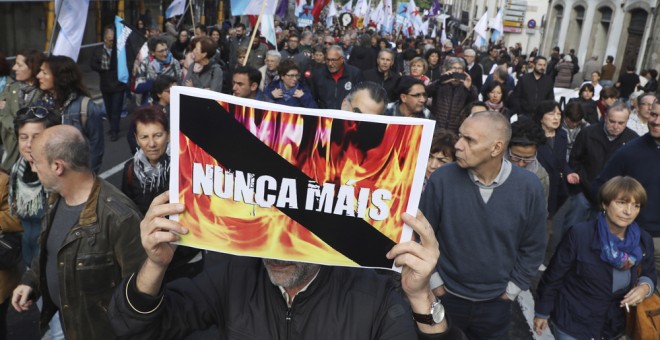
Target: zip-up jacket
(529, 92)
(238, 297)
(330, 93)
(99, 250)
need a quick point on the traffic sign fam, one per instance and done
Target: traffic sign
(531, 24)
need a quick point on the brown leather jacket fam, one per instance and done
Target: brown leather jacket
(98, 252)
(8, 224)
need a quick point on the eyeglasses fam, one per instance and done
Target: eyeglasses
(37, 111)
(331, 60)
(417, 95)
(328, 43)
(645, 104)
(517, 159)
(292, 76)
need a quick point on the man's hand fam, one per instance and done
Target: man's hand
(157, 231)
(417, 259)
(439, 291)
(20, 298)
(573, 178)
(540, 325)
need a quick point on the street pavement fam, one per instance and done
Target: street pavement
(25, 326)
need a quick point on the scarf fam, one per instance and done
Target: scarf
(287, 94)
(271, 76)
(26, 194)
(149, 176)
(160, 66)
(495, 107)
(27, 93)
(621, 254)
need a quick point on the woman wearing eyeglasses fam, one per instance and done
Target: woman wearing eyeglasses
(288, 90)
(24, 91)
(600, 269)
(526, 137)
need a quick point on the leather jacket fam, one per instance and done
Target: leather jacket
(100, 250)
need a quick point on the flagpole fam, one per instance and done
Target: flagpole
(52, 33)
(178, 24)
(192, 15)
(254, 32)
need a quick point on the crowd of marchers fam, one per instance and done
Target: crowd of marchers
(515, 183)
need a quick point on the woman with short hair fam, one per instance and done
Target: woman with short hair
(288, 90)
(600, 269)
(204, 72)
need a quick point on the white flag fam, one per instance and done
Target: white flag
(348, 7)
(177, 7)
(72, 18)
(360, 8)
(498, 26)
(414, 17)
(481, 31)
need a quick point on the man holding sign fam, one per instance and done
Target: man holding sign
(255, 298)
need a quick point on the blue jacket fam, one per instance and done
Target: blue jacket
(93, 129)
(330, 93)
(576, 288)
(639, 159)
(307, 100)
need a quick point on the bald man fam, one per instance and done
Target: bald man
(489, 219)
(90, 238)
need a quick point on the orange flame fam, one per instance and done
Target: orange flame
(245, 229)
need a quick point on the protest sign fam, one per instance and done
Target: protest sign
(266, 180)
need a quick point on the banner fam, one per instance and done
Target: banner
(253, 7)
(305, 17)
(321, 186)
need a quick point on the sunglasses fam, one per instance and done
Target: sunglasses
(37, 111)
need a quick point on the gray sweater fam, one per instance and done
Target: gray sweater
(484, 246)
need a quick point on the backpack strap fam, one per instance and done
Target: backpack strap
(83, 112)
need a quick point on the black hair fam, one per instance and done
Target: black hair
(254, 76)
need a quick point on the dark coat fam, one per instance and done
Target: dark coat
(389, 84)
(307, 100)
(330, 93)
(448, 102)
(553, 160)
(529, 92)
(364, 58)
(477, 75)
(589, 108)
(237, 295)
(107, 78)
(591, 150)
(576, 288)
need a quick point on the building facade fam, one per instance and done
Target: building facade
(620, 28)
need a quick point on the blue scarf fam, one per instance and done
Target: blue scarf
(287, 94)
(621, 254)
(161, 65)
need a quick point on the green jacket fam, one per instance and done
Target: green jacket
(7, 116)
(99, 251)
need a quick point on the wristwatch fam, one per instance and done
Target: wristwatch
(436, 316)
